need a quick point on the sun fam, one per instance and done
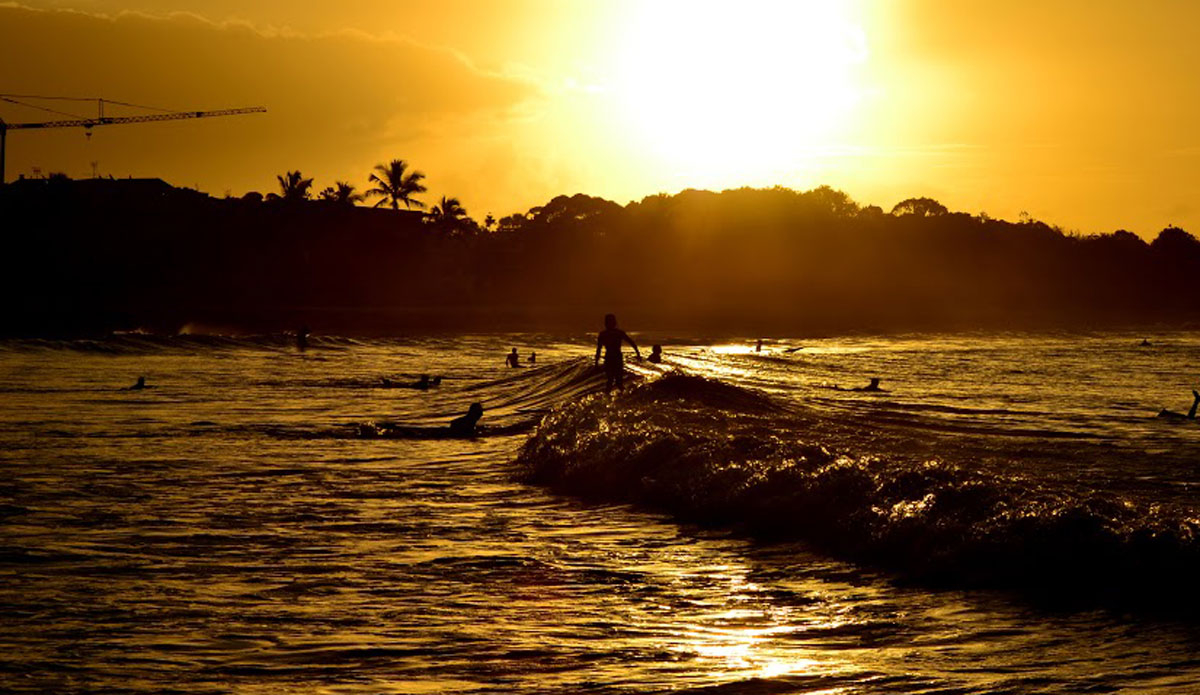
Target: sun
(738, 92)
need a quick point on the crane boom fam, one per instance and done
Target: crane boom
(90, 123)
(116, 120)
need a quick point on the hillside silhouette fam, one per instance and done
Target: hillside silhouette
(96, 255)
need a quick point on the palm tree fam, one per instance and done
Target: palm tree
(450, 215)
(294, 186)
(448, 211)
(395, 184)
(341, 193)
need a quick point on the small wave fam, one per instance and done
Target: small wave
(385, 430)
(716, 454)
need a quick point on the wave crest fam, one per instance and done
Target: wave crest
(716, 454)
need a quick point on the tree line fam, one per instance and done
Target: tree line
(93, 255)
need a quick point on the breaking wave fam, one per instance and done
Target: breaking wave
(716, 454)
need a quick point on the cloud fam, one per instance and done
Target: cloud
(335, 101)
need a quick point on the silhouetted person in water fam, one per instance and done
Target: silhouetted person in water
(758, 345)
(1145, 343)
(513, 360)
(141, 384)
(422, 383)
(655, 354)
(1191, 414)
(302, 337)
(610, 340)
(532, 358)
(464, 426)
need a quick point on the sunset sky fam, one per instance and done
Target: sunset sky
(1081, 112)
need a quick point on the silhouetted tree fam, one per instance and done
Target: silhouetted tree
(1174, 239)
(511, 223)
(294, 187)
(833, 200)
(448, 210)
(450, 216)
(578, 207)
(341, 193)
(395, 184)
(489, 222)
(921, 207)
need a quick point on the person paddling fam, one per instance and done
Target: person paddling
(464, 426)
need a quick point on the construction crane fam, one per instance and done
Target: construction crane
(101, 119)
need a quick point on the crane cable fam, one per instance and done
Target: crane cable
(6, 97)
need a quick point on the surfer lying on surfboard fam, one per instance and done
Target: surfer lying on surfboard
(462, 426)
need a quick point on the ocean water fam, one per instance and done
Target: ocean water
(1007, 516)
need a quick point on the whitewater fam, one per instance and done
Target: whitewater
(1008, 515)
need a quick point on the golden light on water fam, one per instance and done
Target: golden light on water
(743, 636)
(739, 92)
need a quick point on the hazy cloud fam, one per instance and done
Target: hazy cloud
(336, 101)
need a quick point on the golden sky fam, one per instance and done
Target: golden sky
(1081, 112)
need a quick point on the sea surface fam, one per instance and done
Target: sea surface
(1007, 516)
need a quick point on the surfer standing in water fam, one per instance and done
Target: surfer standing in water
(610, 340)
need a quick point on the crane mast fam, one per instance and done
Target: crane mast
(101, 119)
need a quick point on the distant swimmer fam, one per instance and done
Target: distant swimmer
(532, 358)
(655, 354)
(758, 345)
(610, 340)
(513, 360)
(1145, 343)
(140, 385)
(302, 337)
(1191, 414)
(464, 426)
